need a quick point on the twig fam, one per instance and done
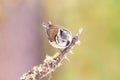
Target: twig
(50, 63)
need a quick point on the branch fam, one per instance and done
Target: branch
(50, 63)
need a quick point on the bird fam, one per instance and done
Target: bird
(58, 36)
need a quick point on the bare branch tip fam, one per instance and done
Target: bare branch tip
(80, 31)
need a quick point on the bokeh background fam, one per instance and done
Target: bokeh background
(23, 42)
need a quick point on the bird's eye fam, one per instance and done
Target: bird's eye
(63, 41)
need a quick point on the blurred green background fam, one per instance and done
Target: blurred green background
(98, 56)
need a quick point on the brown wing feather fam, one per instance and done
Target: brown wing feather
(51, 32)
